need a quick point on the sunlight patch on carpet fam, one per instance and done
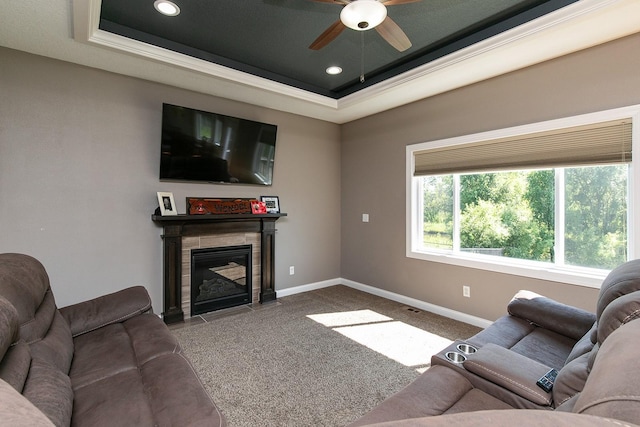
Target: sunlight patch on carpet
(347, 318)
(406, 344)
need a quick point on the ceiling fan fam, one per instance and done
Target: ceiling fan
(364, 15)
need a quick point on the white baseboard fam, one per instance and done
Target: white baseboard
(307, 288)
(432, 308)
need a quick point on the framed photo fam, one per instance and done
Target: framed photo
(167, 204)
(272, 202)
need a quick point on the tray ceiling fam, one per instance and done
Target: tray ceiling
(256, 51)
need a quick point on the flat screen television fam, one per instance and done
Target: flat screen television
(208, 147)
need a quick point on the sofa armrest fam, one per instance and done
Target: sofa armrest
(510, 370)
(564, 319)
(508, 418)
(117, 307)
(17, 410)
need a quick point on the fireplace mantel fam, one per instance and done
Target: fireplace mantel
(177, 226)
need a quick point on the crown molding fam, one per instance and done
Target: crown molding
(578, 26)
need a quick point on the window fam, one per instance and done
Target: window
(552, 200)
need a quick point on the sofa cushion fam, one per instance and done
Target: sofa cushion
(584, 344)
(175, 398)
(9, 325)
(610, 391)
(571, 379)
(506, 331)
(17, 411)
(56, 346)
(100, 354)
(38, 324)
(440, 390)
(16, 356)
(50, 391)
(24, 282)
(620, 311)
(119, 347)
(116, 400)
(136, 369)
(542, 345)
(15, 365)
(620, 281)
(545, 346)
(150, 338)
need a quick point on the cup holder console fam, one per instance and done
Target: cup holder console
(455, 357)
(458, 353)
(467, 348)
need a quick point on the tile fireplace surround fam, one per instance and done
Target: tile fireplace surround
(222, 240)
(182, 233)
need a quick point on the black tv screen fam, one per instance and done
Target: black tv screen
(209, 147)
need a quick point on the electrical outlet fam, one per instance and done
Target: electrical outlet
(365, 217)
(466, 291)
(292, 271)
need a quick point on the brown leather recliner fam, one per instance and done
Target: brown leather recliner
(104, 362)
(553, 333)
(519, 348)
(609, 397)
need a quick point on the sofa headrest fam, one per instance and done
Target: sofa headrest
(611, 389)
(24, 282)
(622, 280)
(9, 325)
(620, 311)
(566, 320)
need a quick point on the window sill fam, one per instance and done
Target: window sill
(591, 278)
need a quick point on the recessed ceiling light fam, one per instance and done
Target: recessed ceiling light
(334, 70)
(166, 7)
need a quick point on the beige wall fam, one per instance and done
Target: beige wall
(79, 167)
(373, 171)
(79, 161)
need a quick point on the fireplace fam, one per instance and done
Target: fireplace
(220, 278)
(183, 233)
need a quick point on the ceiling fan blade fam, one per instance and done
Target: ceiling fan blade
(393, 34)
(339, 1)
(389, 2)
(328, 35)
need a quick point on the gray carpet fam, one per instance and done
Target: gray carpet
(275, 366)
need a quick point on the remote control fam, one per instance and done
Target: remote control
(546, 382)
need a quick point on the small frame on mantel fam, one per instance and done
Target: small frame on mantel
(272, 202)
(167, 204)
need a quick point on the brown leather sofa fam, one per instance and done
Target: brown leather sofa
(494, 382)
(104, 362)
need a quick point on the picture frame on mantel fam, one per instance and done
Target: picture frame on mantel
(167, 204)
(272, 202)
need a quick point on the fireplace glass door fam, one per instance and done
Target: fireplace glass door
(220, 278)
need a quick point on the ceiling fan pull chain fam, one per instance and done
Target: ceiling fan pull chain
(362, 57)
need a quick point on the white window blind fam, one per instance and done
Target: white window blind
(592, 144)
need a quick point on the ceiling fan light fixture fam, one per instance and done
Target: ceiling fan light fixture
(166, 7)
(363, 15)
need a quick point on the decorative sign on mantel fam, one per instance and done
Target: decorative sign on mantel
(224, 206)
